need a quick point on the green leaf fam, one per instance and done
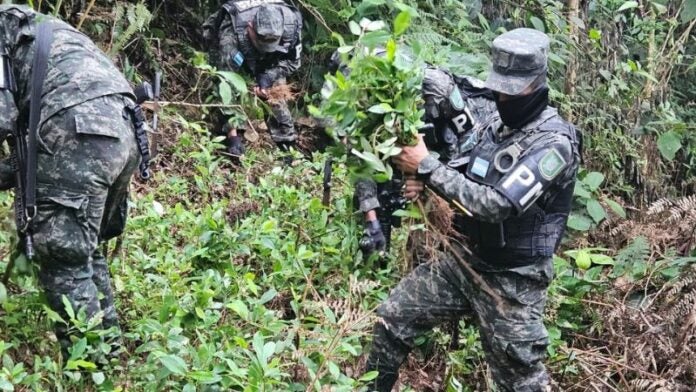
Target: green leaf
(371, 159)
(225, 92)
(6, 385)
(98, 378)
(593, 180)
(381, 108)
(601, 259)
(78, 349)
(240, 308)
(355, 28)
(596, 210)
(235, 79)
(334, 370)
(80, 364)
(401, 22)
(580, 190)
(689, 11)
(267, 296)
(627, 5)
(595, 34)
(669, 143)
(537, 23)
(616, 207)
(174, 364)
(579, 222)
(3, 293)
(556, 58)
(369, 376)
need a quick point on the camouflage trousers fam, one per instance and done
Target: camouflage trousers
(86, 156)
(280, 123)
(513, 335)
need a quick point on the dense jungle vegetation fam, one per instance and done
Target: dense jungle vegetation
(238, 278)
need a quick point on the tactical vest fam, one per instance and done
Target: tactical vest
(538, 230)
(244, 11)
(476, 105)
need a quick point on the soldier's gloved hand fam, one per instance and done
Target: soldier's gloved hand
(373, 239)
(413, 188)
(8, 179)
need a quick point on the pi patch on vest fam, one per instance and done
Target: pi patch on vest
(532, 175)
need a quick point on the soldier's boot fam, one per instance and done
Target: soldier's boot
(386, 356)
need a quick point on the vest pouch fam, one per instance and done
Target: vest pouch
(482, 234)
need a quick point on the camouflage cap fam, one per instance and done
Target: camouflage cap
(519, 57)
(268, 25)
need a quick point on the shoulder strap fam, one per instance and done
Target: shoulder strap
(44, 38)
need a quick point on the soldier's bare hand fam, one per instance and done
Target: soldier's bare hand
(413, 188)
(261, 92)
(411, 157)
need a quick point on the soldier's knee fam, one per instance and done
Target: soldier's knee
(65, 229)
(517, 357)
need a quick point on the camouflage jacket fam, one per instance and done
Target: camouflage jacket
(77, 70)
(231, 22)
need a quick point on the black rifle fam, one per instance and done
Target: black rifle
(391, 199)
(143, 92)
(326, 199)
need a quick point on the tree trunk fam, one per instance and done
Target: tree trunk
(571, 71)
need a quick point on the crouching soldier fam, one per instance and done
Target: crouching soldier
(263, 38)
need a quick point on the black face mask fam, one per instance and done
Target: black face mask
(518, 111)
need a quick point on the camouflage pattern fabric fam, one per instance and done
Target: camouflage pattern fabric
(87, 157)
(513, 335)
(235, 51)
(77, 70)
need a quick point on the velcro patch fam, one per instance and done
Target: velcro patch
(456, 99)
(551, 164)
(480, 167)
(238, 59)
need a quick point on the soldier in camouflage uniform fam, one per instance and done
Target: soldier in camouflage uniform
(263, 37)
(86, 154)
(453, 105)
(517, 179)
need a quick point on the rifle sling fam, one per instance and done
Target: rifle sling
(44, 39)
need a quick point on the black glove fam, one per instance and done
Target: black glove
(373, 239)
